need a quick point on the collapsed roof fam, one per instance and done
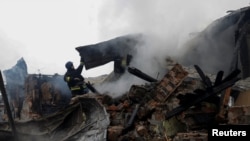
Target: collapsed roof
(223, 45)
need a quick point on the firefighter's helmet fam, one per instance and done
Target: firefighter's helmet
(68, 65)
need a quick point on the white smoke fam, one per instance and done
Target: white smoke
(11, 51)
(167, 25)
(46, 37)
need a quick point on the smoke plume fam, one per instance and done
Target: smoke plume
(167, 26)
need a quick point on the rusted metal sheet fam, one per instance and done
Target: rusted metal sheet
(170, 82)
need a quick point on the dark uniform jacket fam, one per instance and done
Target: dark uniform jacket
(75, 80)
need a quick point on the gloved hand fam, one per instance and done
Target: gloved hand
(82, 61)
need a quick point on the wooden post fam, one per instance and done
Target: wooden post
(224, 104)
(7, 106)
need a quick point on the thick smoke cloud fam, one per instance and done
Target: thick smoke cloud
(49, 33)
(167, 24)
(11, 51)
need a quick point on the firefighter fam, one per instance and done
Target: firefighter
(74, 79)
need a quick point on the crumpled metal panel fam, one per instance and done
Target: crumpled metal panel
(239, 115)
(97, 121)
(170, 82)
(104, 52)
(85, 119)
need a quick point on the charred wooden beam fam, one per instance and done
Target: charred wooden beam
(204, 94)
(132, 118)
(204, 78)
(128, 126)
(92, 88)
(141, 75)
(219, 77)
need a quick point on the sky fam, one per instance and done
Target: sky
(46, 32)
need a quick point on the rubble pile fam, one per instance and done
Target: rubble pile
(179, 107)
(182, 106)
